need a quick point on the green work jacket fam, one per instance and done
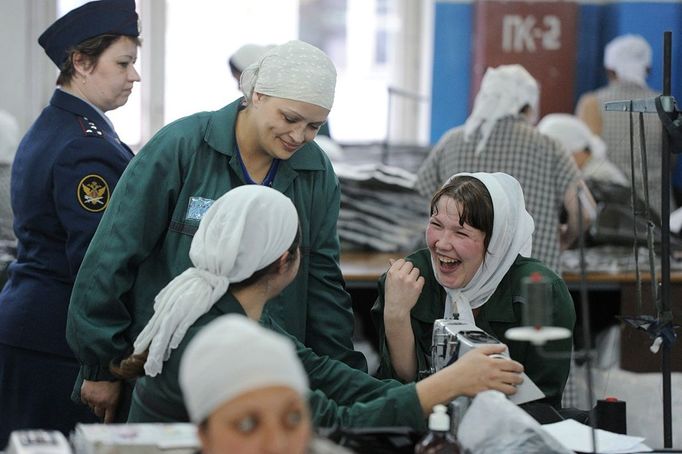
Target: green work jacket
(144, 238)
(340, 395)
(547, 368)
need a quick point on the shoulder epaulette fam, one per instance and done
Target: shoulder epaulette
(89, 127)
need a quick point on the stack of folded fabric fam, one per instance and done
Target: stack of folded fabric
(379, 209)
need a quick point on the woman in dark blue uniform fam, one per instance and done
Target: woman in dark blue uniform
(62, 177)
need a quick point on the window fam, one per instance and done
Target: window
(186, 61)
(200, 37)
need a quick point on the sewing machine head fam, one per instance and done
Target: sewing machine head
(453, 338)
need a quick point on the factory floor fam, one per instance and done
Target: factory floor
(642, 392)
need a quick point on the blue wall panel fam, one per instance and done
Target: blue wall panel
(591, 35)
(650, 21)
(451, 66)
(597, 25)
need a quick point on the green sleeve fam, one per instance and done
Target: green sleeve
(136, 218)
(330, 319)
(399, 407)
(385, 369)
(421, 322)
(337, 380)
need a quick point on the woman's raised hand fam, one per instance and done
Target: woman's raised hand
(403, 286)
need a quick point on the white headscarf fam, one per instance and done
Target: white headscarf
(295, 70)
(512, 235)
(233, 355)
(572, 133)
(504, 91)
(245, 230)
(629, 56)
(247, 55)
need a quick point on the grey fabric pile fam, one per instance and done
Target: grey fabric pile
(379, 209)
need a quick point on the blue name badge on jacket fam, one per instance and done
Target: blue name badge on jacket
(197, 208)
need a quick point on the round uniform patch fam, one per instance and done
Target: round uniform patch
(93, 193)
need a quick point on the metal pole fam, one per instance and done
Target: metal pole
(585, 312)
(665, 249)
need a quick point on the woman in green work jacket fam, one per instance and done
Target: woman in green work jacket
(478, 243)
(244, 253)
(143, 240)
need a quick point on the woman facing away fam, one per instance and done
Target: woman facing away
(478, 242)
(245, 252)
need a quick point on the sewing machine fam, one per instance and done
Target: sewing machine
(453, 338)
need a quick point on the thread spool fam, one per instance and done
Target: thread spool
(611, 415)
(537, 291)
(537, 315)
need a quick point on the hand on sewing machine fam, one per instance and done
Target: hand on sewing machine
(485, 368)
(478, 370)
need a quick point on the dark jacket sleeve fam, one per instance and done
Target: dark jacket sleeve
(85, 161)
(330, 319)
(137, 217)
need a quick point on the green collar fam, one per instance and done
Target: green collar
(228, 304)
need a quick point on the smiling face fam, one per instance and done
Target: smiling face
(267, 420)
(108, 83)
(457, 249)
(284, 126)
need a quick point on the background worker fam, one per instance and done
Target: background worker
(627, 60)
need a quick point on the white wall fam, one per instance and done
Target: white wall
(28, 76)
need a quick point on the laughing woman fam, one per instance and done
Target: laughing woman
(478, 240)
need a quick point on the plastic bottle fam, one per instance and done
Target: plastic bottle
(439, 440)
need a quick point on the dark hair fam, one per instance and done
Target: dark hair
(271, 268)
(132, 366)
(91, 49)
(477, 205)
